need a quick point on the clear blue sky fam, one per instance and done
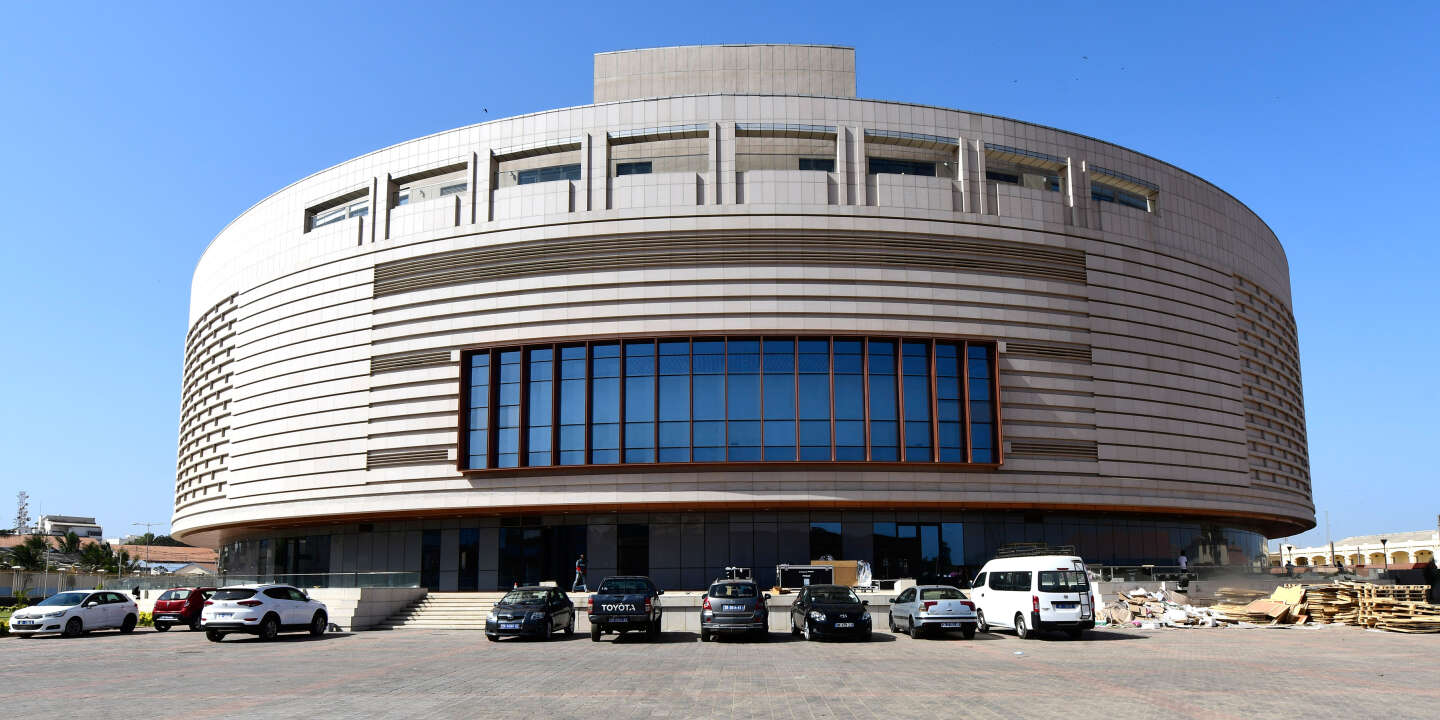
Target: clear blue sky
(132, 135)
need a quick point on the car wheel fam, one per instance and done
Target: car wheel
(808, 635)
(653, 631)
(161, 627)
(763, 634)
(549, 630)
(705, 635)
(214, 635)
(1075, 634)
(318, 624)
(980, 623)
(570, 629)
(594, 633)
(891, 622)
(795, 631)
(915, 630)
(968, 632)
(128, 625)
(74, 628)
(269, 628)
(1021, 631)
(491, 637)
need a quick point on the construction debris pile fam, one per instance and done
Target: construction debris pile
(1162, 608)
(1399, 608)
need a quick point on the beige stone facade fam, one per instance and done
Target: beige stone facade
(1148, 357)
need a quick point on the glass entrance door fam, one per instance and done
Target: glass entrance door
(929, 552)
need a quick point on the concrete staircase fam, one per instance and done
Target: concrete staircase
(444, 611)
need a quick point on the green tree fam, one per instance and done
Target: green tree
(70, 543)
(30, 554)
(100, 556)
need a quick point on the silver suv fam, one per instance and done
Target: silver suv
(734, 606)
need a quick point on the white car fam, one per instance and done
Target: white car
(1033, 593)
(76, 612)
(264, 610)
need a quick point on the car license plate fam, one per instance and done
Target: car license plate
(220, 615)
(734, 608)
(952, 625)
(24, 623)
(619, 619)
(844, 625)
(1065, 605)
(509, 626)
(166, 617)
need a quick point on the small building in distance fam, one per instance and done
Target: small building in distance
(85, 527)
(1399, 548)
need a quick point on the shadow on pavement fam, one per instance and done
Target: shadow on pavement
(284, 638)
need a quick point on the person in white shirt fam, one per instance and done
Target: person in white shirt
(1184, 562)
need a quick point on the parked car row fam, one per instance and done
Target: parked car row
(261, 610)
(1026, 594)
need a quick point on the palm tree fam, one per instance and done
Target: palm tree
(70, 544)
(30, 554)
(97, 556)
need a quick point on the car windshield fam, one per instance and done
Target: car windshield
(524, 597)
(232, 594)
(835, 595)
(65, 598)
(1063, 581)
(732, 590)
(944, 593)
(624, 587)
(175, 595)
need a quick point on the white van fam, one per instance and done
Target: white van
(1039, 592)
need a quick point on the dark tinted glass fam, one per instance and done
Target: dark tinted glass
(232, 594)
(732, 590)
(615, 586)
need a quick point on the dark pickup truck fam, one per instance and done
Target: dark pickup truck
(625, 603)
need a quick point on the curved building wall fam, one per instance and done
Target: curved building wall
(1146, 351)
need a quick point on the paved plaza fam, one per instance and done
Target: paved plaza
(1330, 671)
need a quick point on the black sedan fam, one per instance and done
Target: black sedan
(829, 611)
(531, 611)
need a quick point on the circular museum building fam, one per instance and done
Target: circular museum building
(731, 314)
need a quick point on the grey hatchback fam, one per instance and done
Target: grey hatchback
(734, 606)
(933, 607)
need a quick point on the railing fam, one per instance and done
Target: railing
(40, 585)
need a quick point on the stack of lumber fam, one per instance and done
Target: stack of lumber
(1168, 608)
(1238, 596)
(1400, 616)
(1285, 605)
(1332, 603)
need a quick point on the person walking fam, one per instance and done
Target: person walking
(578, 585)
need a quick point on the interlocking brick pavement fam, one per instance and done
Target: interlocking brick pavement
(1331, 671)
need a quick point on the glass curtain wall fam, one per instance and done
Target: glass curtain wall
(707, 400)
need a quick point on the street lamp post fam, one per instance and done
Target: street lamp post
(1384, 550)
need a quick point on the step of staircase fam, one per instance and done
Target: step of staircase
(444, 611)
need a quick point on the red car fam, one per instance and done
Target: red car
(180, 606)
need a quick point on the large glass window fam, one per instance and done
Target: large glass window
(709, 395)
(508, 440)
(763, 399)
(897, 166)
(982, 405)
(572, 405)
(813, 399)
(825, 541)
(548, 174)
(849, 400)
(742, 399)
(949, 402)
(605, 403)
(674, 401)
(640, 401)
(884, 407)
(915, 366)
(779, 410)
(541, 400)
(478, 440)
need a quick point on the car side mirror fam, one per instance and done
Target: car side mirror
(767, 597)
(864, 602)
(90, 604)
(895, 599)
(659, 592)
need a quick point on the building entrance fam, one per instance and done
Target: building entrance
(930, 552)
(531, 555)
